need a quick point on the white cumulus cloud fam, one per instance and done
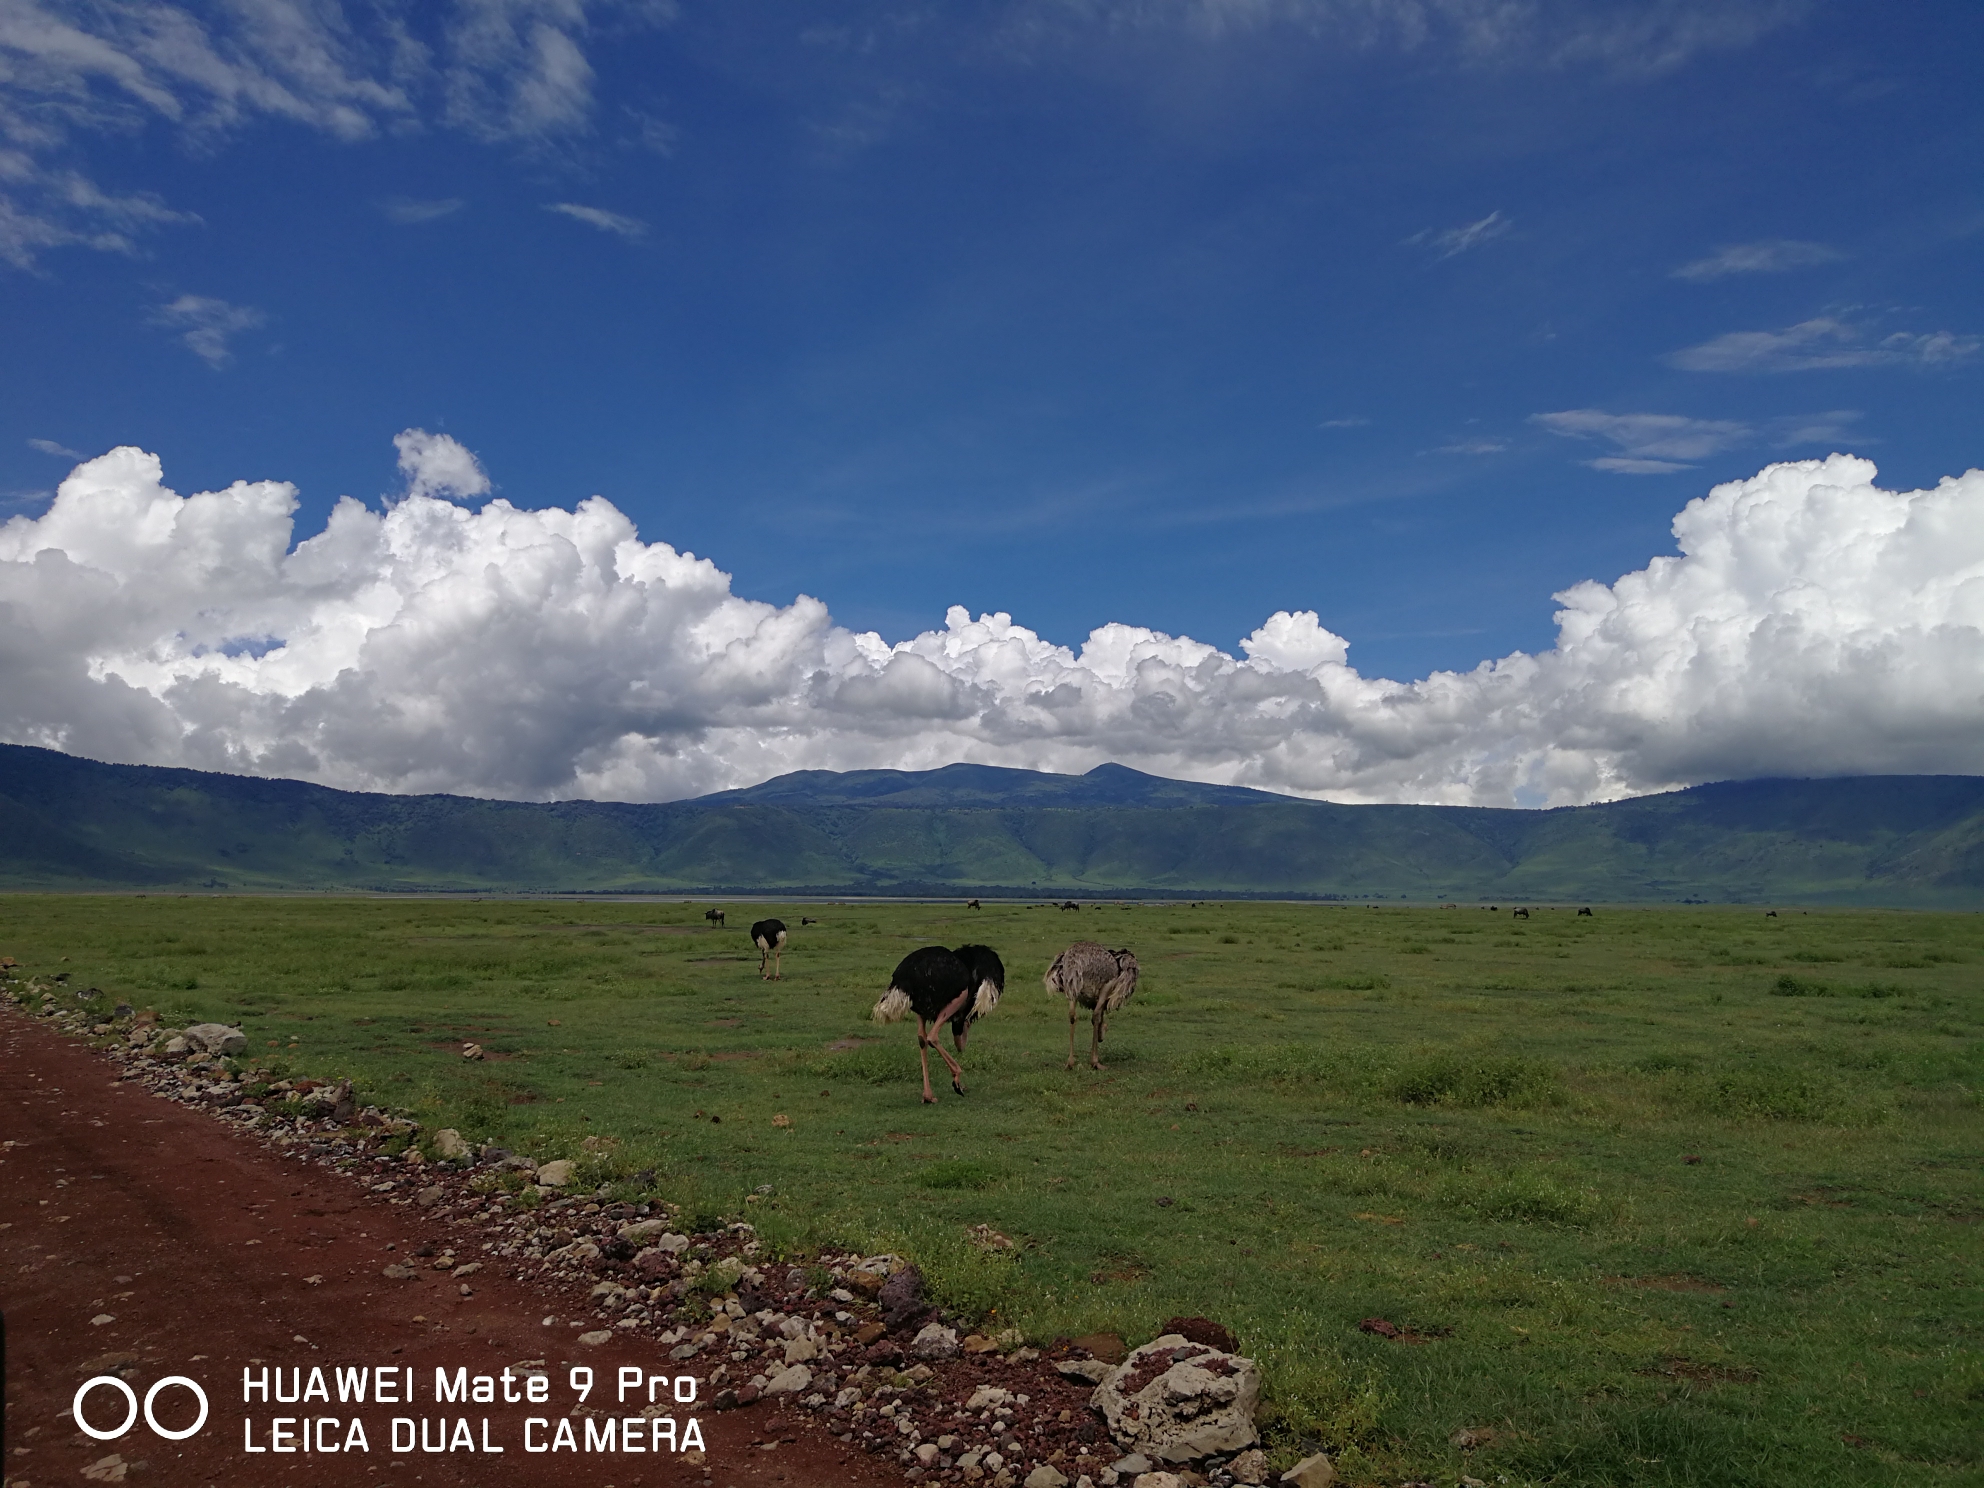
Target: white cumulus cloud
(438, 465)
(1811, 623)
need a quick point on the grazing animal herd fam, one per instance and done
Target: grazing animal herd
(960, 985)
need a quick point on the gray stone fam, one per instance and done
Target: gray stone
(795, 1379)
(1311, 1472)
(1131, 1465)
(176, 1047)
(641, 1231)
(557, 1174)
(1201, 1401)
(449, 1146)
(428, 1197)
(1158, 1480)
(1045, 1476)
(217, 1038)
(1249, 1467)
(936, 1342)
(595, 1339)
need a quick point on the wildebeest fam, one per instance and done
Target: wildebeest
(714, 916)
(1518, 914)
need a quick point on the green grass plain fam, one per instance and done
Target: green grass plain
(1474, 1127)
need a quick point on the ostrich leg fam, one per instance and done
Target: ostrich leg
(923, 1053)
(1071, 1033)
(957, 1070)
(1095, 1044)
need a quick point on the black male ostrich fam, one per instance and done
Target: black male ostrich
(941, 987)
(769, 937)
(1092, 976)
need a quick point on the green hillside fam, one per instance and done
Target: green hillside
(1902, 840)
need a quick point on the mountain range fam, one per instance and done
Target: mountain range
(1903, 840)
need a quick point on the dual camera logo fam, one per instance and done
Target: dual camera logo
(132, 1409)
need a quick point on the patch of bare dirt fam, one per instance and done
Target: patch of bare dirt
(145, 1239)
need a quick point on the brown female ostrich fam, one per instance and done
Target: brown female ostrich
(1091, 976)
(942, 986)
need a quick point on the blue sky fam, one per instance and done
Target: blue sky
(1168, 312)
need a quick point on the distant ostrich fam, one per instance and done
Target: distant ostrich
(940, 987)
(805, 920)
(1091, 976)
(714, 916)
(769, 937)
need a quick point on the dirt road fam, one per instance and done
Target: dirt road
(142, 1239)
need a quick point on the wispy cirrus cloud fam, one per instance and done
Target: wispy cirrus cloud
(1453, 241)
(1770, 256)
(508, 71)
(1821, 344)
(1662, 443)
(609, 222)
(50, 447)
(1648, 443)
(208, 325)
(411, 211)
(1631, 37)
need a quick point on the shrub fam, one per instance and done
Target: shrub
(1525, 1197)
(1791, 986)
(1477, 1080)
(956, 1175)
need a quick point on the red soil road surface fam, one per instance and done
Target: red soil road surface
(196, 1239)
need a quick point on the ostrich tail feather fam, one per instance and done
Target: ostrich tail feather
(893, 1006)
(987, 999)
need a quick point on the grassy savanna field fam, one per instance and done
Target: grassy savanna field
(1475, 1128)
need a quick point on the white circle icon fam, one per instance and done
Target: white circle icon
(152, 1420)
(130, 1399)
